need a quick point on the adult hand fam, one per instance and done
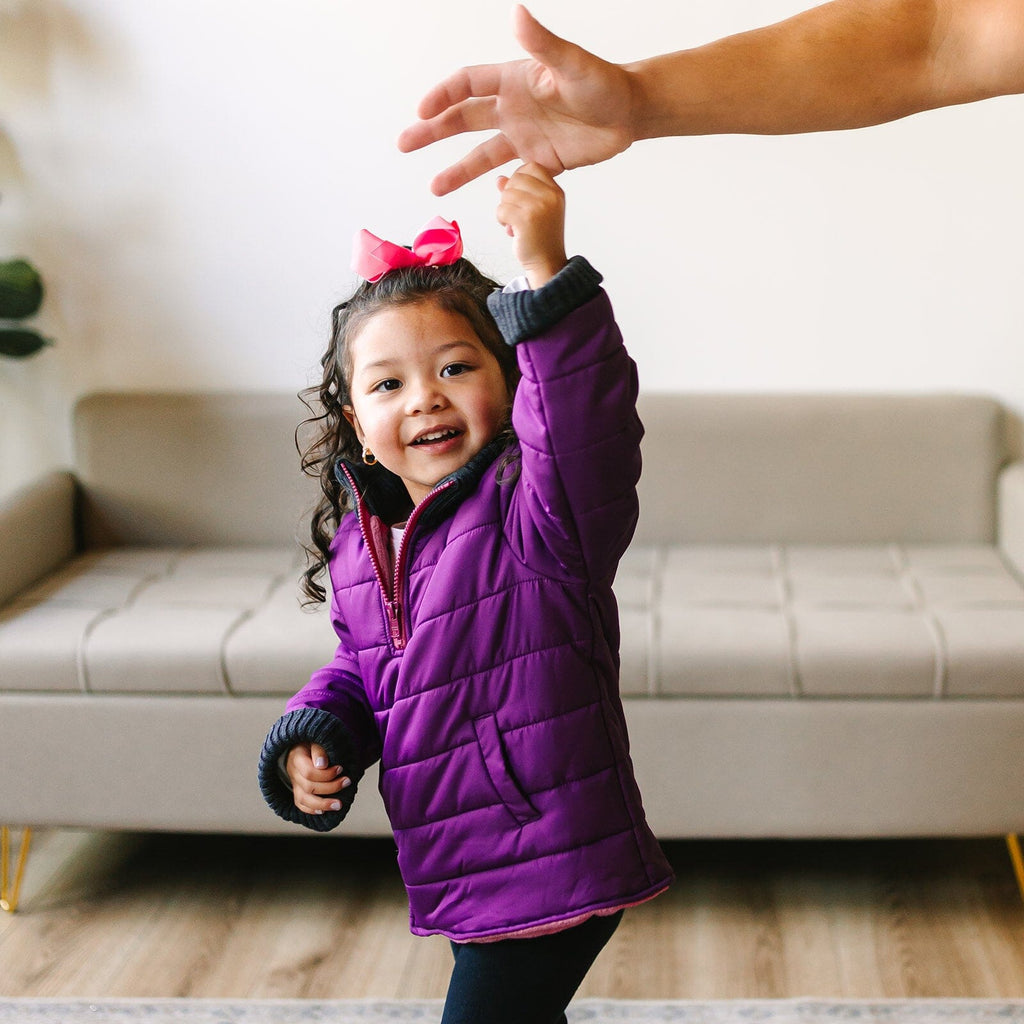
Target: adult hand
(562, 108)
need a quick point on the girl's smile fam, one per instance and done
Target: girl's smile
(427, 395)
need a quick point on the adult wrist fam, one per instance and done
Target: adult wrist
(643, 120)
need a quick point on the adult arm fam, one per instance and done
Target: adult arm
(844, 64)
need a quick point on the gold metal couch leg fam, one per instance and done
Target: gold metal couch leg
(1013, 842)
(9, 893)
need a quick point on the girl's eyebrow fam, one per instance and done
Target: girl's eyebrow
(449, 345)
(378, 364)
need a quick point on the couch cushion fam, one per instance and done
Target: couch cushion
(166, 620)
(912, 621)
(985, 650)
(43, 632)
(40, 647)
(874, 620)
(822, 469)
(230, 457)
(278, 647)
(691, 642)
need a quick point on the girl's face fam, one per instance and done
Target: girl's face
(427, 395)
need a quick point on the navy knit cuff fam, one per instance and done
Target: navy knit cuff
(523, 315)
(308, 725)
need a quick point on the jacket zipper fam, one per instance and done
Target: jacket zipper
(396, 617)
(392, 596)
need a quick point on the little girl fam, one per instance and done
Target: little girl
(486, 444)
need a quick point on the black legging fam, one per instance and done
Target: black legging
(523, 981)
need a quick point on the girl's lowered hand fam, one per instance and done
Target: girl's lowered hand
(532, 209)
(314, 782)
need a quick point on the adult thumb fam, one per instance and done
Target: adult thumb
(544, 46)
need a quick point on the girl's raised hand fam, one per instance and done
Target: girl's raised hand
(314, 782)
(532, 209)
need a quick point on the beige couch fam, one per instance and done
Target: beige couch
(823, 617)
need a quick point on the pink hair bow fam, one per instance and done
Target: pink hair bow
(437, 245)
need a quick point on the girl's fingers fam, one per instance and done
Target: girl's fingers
(536, 177)
(530, 178)
(524, 186)
(315, 782)
(518, 212)
(318, 806)
(327, 788)
(315, 776)
(324, 787)
(320, 798)
(532, 211)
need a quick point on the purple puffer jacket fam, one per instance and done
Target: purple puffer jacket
(482, 668)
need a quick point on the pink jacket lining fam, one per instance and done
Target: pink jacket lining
(558, 926)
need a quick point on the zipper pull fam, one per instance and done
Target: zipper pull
(394, 610)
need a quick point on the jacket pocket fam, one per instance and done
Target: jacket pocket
(496, 763)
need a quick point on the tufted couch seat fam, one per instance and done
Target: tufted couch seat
(822, 617)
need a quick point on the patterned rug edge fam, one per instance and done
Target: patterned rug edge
(804, 1010)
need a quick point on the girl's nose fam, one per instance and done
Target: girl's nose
(424, 396)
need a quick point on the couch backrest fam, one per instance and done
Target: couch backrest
(820, 468)
(191, 468)
(221, 468)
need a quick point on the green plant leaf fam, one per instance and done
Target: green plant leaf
(21, 289)
(19, 342)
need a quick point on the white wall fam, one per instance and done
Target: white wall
(188, 175)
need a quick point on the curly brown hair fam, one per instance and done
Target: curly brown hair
(458, 288)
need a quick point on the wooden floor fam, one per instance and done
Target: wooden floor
(161, 915)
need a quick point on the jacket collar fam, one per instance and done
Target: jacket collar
(384, 494)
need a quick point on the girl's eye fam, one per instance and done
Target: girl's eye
(454, 369)
(391, 384)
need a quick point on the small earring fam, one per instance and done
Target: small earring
(368, 457)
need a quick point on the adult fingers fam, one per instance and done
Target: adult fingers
(496, 151)
(476, 81)
(484, 80)
(539, 42)
(472, 115)
(555, 53)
